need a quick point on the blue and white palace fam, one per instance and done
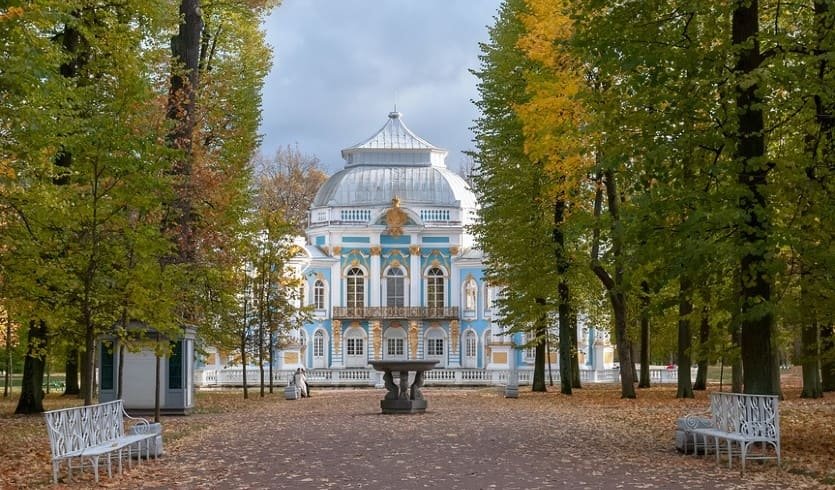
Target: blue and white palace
(392, 272)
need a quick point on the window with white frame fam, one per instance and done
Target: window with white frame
(470, 344)
(355, 346)
(395, 287)
(355, 297)
(319, 294)
(435, 288)
(318, 344)
(395, 347)
(435, 347)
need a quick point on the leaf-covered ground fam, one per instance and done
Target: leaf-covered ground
(469, 438)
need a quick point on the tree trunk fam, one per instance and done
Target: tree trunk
(613, 284)
(685, 309)
(810, 361)
(182, 109)
(120, 376)
(564, 294)
(736, 364)
(538, 382)
(828, 358)
(7, 378)
(644, 381)
(243, 364)
(157, 381)
(704, 351)
(272, 342)
(85, 375)
(31, 390)
(576, 382)
(566, 376)
(71, 368)
(761, 374)
(90, 365)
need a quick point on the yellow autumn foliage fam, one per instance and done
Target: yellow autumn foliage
(553, 114)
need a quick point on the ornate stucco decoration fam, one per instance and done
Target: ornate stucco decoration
(337, 334)
(375, 250)
(377, 339)
(414, 250)
(337, 250)
(395, 263)
(324, 249)
(413, 339)
(395, 218)
(453, 335)
(453, 250)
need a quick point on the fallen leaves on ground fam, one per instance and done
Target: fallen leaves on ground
(469, 438)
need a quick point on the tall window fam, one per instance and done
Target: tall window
(394, 347)
(395, 284)
(355, 347)
(318, 344)
(175, 366)
(435, 347)
(470, 344)
(435, 288)
(356, 288)
(319, 294)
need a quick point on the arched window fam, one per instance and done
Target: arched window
(435, 288)
(319, 295)
(470, 349)
(395, 287)
(436, 346)
(470, 344)
(355, 297)
(318, 344)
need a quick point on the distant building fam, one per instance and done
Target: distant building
(392, 271)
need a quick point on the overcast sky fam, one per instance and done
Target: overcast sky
(339, 67)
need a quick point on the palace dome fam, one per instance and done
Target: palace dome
(395, 163)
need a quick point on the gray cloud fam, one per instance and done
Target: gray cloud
(340, 65)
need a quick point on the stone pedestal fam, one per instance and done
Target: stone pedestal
(403, 406)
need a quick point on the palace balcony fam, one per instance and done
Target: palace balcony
(395, 313)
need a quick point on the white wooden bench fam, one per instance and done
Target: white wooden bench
(90, 432)
(741, 421)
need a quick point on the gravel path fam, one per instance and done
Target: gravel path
(468, 439)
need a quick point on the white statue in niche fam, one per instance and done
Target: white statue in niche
(470, 290)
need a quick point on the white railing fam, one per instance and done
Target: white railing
(437, 377)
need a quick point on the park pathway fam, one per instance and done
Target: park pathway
(468, 439)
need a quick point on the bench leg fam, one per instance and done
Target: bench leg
(95, 461)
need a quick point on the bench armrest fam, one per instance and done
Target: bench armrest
(140, 425)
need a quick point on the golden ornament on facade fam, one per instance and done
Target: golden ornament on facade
(337, 331)
(337, 250)
(395, 263)
(377, 338)
(325, 249)
(453, 250)
(375, 250)
(453, 335)
(413, 340)
(414, 250)
(395, 218)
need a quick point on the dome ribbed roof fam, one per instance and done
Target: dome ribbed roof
(395, 162)
(372, 186)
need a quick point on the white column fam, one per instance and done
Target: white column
(336, 286)
(454, 284)
(374, 281)
(415, 276)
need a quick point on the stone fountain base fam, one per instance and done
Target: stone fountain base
(403, 406)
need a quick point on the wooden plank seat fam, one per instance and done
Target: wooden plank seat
(737, 423)
(94, 432)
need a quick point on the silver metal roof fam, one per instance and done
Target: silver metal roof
(376, 186)
(395, 162)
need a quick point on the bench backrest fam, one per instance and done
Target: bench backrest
(72, 429)
(752, 415)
